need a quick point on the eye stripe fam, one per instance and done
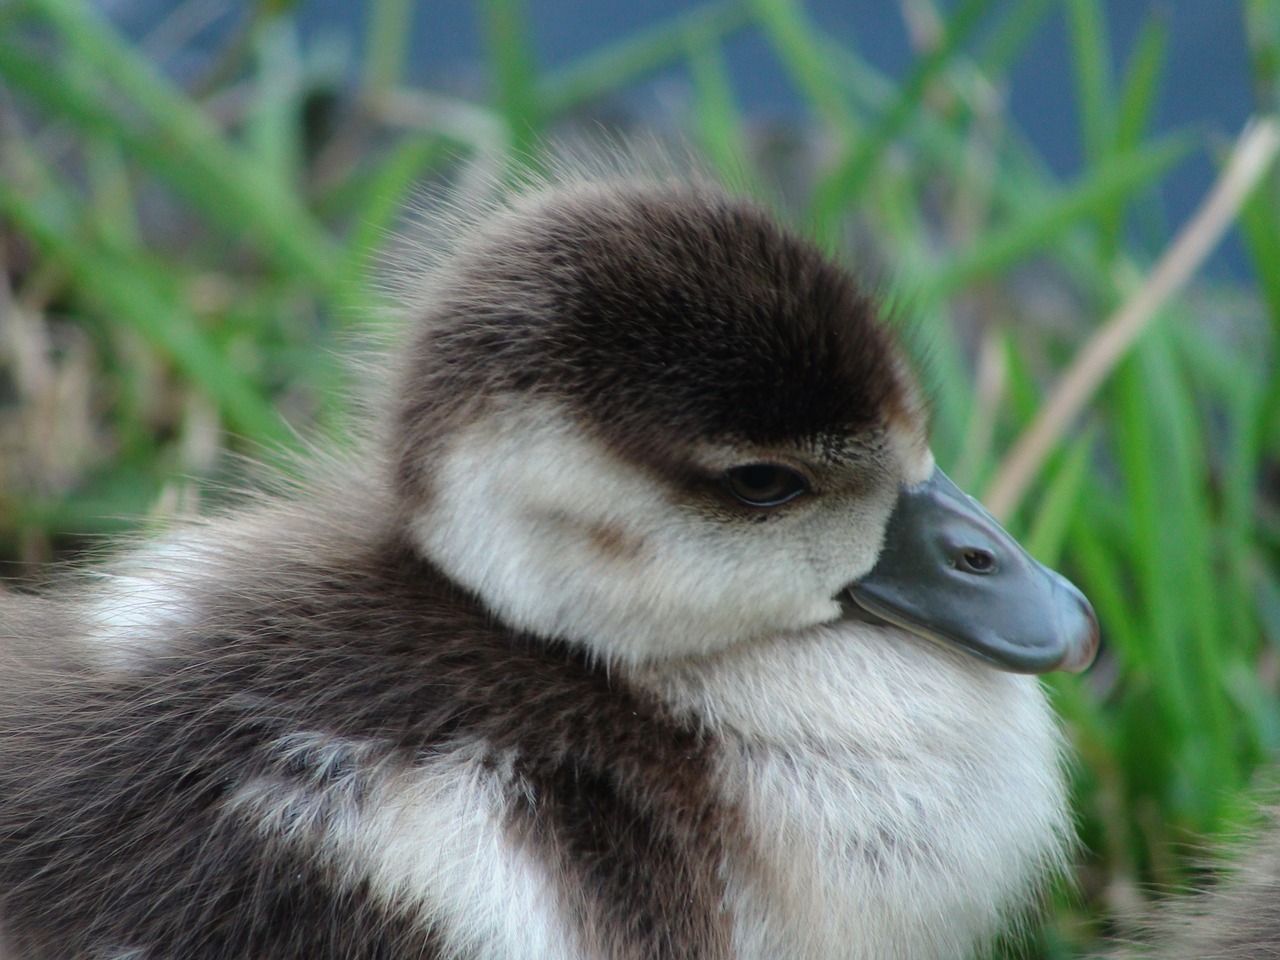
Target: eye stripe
(765, 484)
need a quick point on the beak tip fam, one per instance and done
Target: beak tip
(1082, 648)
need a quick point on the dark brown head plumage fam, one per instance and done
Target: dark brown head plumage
(658, 311)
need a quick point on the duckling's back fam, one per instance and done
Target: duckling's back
(332, 737)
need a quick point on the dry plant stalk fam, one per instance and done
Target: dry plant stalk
(1250, 159)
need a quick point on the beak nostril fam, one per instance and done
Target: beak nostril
(976, 560)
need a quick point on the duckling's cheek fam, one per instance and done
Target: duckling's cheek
(565, 540)
(843, 536)
(524, 506)
(609, 543)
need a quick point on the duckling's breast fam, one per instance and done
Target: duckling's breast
(900, 800)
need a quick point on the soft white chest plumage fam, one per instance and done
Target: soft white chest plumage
(867, 772)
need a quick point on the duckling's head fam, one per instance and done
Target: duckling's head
(640, 416)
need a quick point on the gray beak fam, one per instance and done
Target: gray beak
(949, 572)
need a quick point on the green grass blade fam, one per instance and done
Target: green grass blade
(1042, 228)
(716, 121)
(1091, 53)
(1102, 576)
(188, 150)
(388, 34)
(1011, 35)
(928, 334)
(1138, 93)
(844, 185)
(273, 127)
(112, 203)
(1260, 228)
(125, 293)
(515, 75)
(1141, 84)
(616, 66)
(383, 198)
(1057, 507)
(1023, 186)
(1260, 224)
(1136, 448)
(1199, 575)
(1244, 393)
(801, 48)
(1262, 27)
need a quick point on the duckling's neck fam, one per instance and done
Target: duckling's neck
(899, 800)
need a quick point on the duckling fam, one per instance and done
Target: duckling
(648, 628)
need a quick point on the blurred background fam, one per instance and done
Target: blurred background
(194, 197)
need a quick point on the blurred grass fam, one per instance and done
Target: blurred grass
(180, 260)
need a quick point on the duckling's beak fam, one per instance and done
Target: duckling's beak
(950, 572)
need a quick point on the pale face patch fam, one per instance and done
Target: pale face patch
(902, 799)
(564, 539)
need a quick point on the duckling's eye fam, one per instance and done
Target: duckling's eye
(765, 484)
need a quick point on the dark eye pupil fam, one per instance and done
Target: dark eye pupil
(978, 561)
(765, 484)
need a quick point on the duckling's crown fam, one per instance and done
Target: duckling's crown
(657, 314)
